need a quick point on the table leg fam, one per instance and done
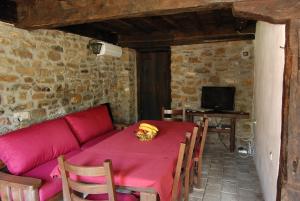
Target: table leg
(232, 135)
(148, 196)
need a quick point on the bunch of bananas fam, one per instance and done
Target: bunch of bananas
(146, 132)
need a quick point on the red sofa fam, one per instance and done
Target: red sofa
(31, 153)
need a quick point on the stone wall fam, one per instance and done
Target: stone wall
(46, 73)
(213, 64)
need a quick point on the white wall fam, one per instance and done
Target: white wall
(268, 78)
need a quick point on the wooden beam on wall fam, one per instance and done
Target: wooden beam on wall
(56, 13)
(162, 40)
(273, 11)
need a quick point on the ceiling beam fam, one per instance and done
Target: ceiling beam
(273, 11)
(56, 13)
(224, 33)
(183, 41)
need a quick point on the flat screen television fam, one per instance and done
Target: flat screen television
(218, 98)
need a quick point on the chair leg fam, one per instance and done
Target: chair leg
(192, 178)
(199, 172)
(186, 187)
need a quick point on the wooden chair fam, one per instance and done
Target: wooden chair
(200, 143)
(72, 189)
(179, 172)
(173, 114)
(188, 175)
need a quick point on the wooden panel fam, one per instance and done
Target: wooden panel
(49, 13)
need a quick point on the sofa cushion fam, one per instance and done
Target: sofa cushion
(26, 148)
(50, 186)
(98, 139)
(90, 123)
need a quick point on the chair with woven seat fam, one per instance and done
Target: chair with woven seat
(200, 143)
(172, 114)
(74, 190)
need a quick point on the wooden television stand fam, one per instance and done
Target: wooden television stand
(233, 116)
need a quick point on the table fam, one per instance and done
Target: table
(146, 167)
(233, 116)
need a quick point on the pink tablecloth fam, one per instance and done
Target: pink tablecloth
(135, 163)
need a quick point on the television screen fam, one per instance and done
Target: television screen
(218, 98)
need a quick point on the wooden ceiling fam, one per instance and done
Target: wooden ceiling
(216, 23)
(166, 30)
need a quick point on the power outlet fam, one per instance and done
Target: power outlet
(21, 116)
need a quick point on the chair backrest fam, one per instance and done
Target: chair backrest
(71, 187)
(172, 114)
(181, 162)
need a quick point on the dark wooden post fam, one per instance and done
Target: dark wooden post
(289, 170)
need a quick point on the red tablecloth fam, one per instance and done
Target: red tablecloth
(135, 163)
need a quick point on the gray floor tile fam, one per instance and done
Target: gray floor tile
(226, 176)
(229, 187)
(211, 198)
(229, 197)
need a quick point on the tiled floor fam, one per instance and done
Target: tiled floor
(226, 177)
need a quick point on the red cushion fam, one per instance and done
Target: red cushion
(90, 123)
(26, 148)
(120, 197)
(98, 139)
(50, 186)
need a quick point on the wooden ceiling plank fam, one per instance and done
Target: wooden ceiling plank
(171, 22)
(102, 27)
(150, 23)
(49, 13)
(134, 25)
(198, 20)
(91, 31)
(273, 11)
(113, 26)
(207, 34)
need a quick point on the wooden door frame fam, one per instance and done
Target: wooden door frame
(138, 72)
(291, 82)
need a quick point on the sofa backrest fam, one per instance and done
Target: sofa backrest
(90, 123)
(26, 148)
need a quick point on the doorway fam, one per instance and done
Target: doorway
(154, 80)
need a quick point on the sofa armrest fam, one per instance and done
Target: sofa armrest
(17, 187)
(120, 126)
(19, 181)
